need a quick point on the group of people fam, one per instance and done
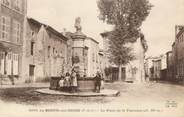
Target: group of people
(69, 82)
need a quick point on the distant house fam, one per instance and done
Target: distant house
(133, 71)
(148, 65)
(159, 68)
(45, 52)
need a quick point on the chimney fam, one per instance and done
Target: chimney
(64, 31)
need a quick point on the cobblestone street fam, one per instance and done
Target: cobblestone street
(155, 97)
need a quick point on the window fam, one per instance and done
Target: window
(53, 51)
(16, 31)
(5, 28)
(48, 51)
(32, 48)
(97, 58)
(17, 5)
(32, 33)
(93, 57)
(6, 2)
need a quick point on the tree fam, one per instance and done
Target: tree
(126, 16)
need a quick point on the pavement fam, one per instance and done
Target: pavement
(104, 92)
(136, 100)
(25, 85)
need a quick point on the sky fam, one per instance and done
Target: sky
(159, 27)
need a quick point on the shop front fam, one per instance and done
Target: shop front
(9, 64)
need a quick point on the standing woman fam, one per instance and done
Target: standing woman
(67, 82)
(74, 81)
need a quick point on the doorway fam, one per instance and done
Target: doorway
(31, 72)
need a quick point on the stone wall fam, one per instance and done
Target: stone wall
(14, 48)
(49, 53)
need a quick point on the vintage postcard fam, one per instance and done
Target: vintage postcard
(87, 58)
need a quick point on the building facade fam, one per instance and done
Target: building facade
(178, 53)
(170, 66)
(101, 62)
(160, 67)
(93, 64)
(12, 30)
(149, 67)
(157, 69)
(134, 71)
(45, 52)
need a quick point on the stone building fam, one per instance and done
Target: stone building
(45, 52)
(170, 66)
(178, 53)
(92, 56)
(149, 67)
(174, 56)
(12, 25)
(134, 71)
(101, 62)
(156, 69)
(159, 67)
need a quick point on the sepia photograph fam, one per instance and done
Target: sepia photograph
(91, 58)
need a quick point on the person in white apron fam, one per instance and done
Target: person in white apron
(67, 82)
(74, 81)
(61, 84)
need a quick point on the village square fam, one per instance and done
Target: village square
(44, 63)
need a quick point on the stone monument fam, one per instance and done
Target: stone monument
(79, 47)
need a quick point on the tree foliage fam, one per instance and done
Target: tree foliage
(127, 17)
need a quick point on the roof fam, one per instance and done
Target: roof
(47, 27)
(105, 34)
(181, 31)
(169, 52)
(141, 36)
(92, 40)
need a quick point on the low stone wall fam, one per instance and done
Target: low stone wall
(86, 84)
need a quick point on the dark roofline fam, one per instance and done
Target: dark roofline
(173, 44)
(93, 40)
(180, 32)
(31, 20)
(104, 34)
(169, 52)
(47, 27)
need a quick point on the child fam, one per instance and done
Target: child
(67, 81)
(61, 83)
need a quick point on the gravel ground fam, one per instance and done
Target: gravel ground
(133, 96)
